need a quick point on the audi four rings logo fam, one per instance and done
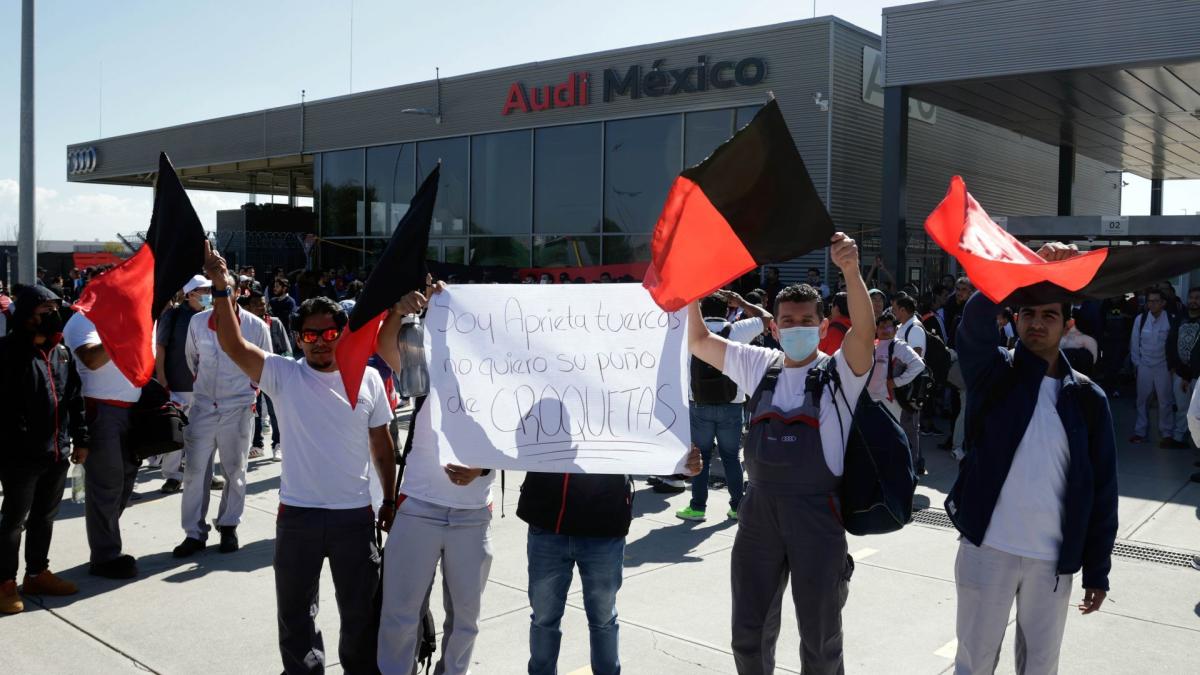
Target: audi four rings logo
(80, 161)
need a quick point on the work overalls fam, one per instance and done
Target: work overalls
(789, 522)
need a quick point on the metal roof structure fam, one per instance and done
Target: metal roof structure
(1116, 80)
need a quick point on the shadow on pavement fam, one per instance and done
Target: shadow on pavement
(249, 558)
(672, 543)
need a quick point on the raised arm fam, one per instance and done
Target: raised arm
(702, 342)
(752, 310)
(858, 347)
(248, 357)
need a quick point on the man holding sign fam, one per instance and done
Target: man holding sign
(795, 449)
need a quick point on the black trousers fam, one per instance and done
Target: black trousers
(304, 538)
(33, 490)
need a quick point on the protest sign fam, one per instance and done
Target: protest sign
(558, 378)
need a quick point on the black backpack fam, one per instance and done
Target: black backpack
(156, 423)
(912, 396)
(878, 481)
(937, 356)
(709, 385)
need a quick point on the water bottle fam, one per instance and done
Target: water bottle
(77, 490)
(414, 373)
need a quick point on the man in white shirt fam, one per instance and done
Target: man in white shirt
(324, 490)
(897, 364)
(716, 405)
(1148, 351)
(111, 465)
(795, 451)
(220, 419)
(1036, 495)
(911, 331)
(444, 514)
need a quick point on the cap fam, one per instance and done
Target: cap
(198, 281)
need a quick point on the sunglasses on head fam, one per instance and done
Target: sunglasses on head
(327, 334)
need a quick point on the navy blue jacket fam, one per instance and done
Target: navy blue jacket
(1002, 391)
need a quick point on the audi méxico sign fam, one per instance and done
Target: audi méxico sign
(636, 81)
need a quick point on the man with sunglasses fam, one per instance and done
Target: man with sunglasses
(325, 500)
(220, 420)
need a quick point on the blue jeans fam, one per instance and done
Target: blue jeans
(551, 559)
(722, 421)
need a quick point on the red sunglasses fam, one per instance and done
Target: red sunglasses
(328, 334)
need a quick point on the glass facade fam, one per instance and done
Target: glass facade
(564, 196)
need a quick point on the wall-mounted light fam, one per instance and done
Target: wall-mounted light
(822, 103)
(435, 114)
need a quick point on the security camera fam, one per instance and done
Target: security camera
(822, 103)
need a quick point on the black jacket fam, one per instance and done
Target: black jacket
(41, 403)
(1002, 392)
(1184, 362)
(577, 504)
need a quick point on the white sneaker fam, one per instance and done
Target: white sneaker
(276, 454)
(256, 452)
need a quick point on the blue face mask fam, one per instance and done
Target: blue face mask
(799, 342)
(205, 300)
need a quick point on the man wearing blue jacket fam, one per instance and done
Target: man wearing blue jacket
(1036, 495)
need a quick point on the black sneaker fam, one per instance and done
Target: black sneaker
(121, 567)
(229, 540)
(217, 483)
(171, 487)
(188, 548)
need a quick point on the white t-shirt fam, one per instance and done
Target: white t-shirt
(426, 479)
(906, 366)
(1027, 520)
(913, 332)
(105, 383)
(743, 332)
(746, 365)
(327, 463)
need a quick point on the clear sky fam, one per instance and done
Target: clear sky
(115, 67)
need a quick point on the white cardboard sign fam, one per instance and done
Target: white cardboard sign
(558, 378)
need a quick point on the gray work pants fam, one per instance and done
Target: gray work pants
(422, 534)
(211, 430)
(988, 580)
(110, 472)
(304, 538)
(778, 536)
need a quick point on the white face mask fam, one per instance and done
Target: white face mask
(205, 300)
(799, 342)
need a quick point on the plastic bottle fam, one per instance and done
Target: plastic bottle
(414, 374)
(78, 493)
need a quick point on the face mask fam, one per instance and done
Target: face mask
(205, 301)
(799, 342)
(49, 324)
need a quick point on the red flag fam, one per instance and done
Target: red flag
(1008, 272)
(401, 269)
(124, 302)
(750, 203)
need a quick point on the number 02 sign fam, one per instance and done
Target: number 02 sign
(1114, 226)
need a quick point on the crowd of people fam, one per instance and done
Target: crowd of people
(1021, 391)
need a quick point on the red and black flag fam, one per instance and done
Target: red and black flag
(401, 269)
(124, 302)
(750, 203)
(1008, 272)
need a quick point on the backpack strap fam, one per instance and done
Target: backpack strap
(767, 384)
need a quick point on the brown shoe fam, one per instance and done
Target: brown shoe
(10, 600)
(47, 583)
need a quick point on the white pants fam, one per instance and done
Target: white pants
(987, 581)
(1155, 380)
(211, 430)
(422, 534)
(1183, 400)
(171, 463)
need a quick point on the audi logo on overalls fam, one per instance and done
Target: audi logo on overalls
(81, 161)
(789, 439)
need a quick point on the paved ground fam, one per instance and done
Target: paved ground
(216, 613)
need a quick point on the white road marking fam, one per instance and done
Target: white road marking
(863, 553)
(948, 650)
